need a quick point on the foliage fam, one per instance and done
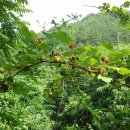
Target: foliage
(99, 28)
(119, 12)
(51, 82)
(9, 16)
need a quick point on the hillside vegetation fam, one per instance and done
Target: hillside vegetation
(100, 28)
(55, 81)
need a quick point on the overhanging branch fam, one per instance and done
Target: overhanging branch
(59, 62)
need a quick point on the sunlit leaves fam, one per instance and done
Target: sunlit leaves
(106, 46)
(53, 73)
(105, 79)
(92, 51)
(92, 61)
(124, 71)
(25, 34)
(115, 9)
(120, 12)
(127, 26)
(126, 4)
(62, 37)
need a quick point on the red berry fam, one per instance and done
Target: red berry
(71, 46)
(39, 40)
(100, 70)
(106, 60)
(36, 41)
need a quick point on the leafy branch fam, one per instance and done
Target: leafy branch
(60, 62)
(45, 61)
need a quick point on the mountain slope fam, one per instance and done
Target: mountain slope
(96, 28)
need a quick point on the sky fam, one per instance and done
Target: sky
(45, 10)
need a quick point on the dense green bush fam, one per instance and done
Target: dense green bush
(91, 104)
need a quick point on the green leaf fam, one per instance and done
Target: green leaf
(127, 26)
(58, 76)
(123, 11)
(22, 88)
(105, 46)
(3, 37)
(33, 34)
(51, 101)
(117, 54)
(92, 61)
(92, 51)
(107, 4)
(25, 33)
(124, 71)
(62, 37)
(105, 79)
(115, 9)
(44, 47)
(114, 68)
(1, 76)
(126, 52)
(68, 53)
(126, 4)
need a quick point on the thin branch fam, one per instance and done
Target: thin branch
(60, 62)
(29, 66)
(45, 61)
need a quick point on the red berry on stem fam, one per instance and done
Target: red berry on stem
(36, 41)
(107, 60)
(40, 40)
(100, 70)
(71, 46)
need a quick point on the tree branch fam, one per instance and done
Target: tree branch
(60, 62)
(29, 66)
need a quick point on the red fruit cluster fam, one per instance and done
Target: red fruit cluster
(100, 70)
(37, 41)
(106, 60)
(71, 46)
